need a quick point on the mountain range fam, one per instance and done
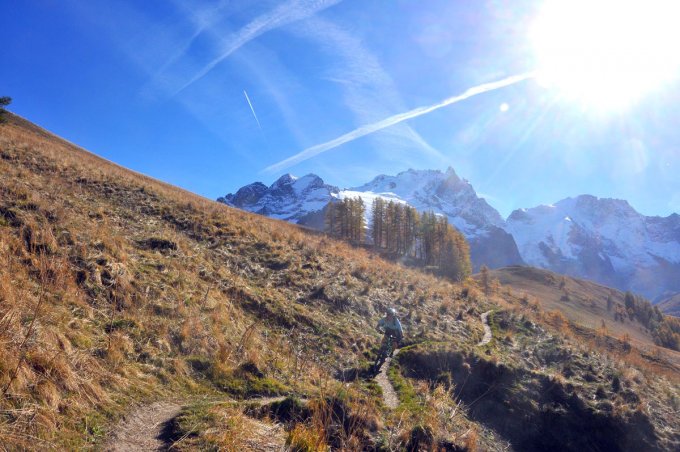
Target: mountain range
(602, 239)
(213, 314)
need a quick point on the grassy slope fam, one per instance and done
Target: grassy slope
(116, 288)
(142, 290)
(670, 305)
(586, 304)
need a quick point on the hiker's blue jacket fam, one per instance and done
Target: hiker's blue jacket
(391, 326)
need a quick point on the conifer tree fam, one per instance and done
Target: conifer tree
(485, 279)
(377, 217)
(4, 101)
(357, 218)
(410, 230)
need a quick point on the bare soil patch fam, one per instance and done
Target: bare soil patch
(145, 429)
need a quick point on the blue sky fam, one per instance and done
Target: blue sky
(158, 86)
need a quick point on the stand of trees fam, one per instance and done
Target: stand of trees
(4, 101)
(401, 231)
(345, 219)
(664, 329)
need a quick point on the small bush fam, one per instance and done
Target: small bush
(245, 381)
(305, 439)
(4, 101)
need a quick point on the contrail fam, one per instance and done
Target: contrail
(392, 120)
(210, 17)
(252, 109)
(284, 14)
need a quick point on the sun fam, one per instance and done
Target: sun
(607, 54)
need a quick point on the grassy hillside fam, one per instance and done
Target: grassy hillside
(585, 303)
(670, 305)
(117, 290)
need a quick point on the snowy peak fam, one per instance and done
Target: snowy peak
(599, 238)
(412, 184)
(249, 194)
(301, 200)
(289, 198)
(598, 209)
(283, 181)
(441, 192)
(298, 186)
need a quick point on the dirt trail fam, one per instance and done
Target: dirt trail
(390, 398)
(263, 437)
(487, 329)
(145, 429)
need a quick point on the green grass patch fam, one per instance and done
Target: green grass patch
(195, 416)
(373, 389)
(246, 381)
(408, 398)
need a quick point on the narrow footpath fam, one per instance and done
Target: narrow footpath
(145, 429)
(487, 329)
(149, 428)
(390, 398)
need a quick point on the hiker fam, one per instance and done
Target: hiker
(391, 327)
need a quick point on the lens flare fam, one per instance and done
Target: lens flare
(607, 53)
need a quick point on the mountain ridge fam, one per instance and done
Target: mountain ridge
(603, 239)
(142, 292)
(442, 192)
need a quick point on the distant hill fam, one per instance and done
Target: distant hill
(582, 302)
(670, 304)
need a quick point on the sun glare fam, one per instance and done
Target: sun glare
(606, 54)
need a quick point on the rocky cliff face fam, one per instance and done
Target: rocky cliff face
(289, 198)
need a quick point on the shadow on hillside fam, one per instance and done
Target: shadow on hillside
(354, 373)
(532, 411)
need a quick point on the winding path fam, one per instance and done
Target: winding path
(487, 329)
(145, 429)
(390, 398)
(148, 428)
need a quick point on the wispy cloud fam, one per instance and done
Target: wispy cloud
(252, 109)
(392, 120)
(203, 19)
(369, 91)
(155, 41)
(286, 13)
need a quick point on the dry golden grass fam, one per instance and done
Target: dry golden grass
(585, 311)
(115, 288)
(135, 287)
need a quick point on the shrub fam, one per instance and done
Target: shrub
(4, 101)
(305, 439)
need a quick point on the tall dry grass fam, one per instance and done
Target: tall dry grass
(94, 316)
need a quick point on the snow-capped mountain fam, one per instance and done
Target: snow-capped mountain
(605, 240)
(447, 194)
(443, 193)
(290, 198)
(301, 200)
